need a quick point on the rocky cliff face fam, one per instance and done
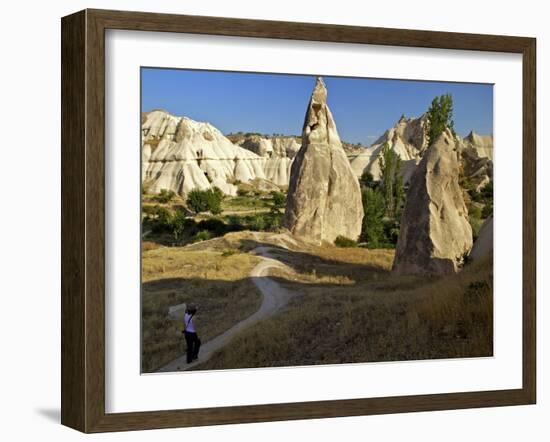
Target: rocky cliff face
(476, 158)
(278, 151)
(181, 154)
(407, 138)
(324, 197)
(482, 144)
(435, 233)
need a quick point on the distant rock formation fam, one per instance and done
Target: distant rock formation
(408, 139)
(324, 197)
(181, 154)
(476, 158)
(279, 152)
(435, 233)
(482, 144)
(484, 242)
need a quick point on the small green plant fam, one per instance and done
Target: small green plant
(278, 200)
(474, 211)
(202, 235)
(487, 210)
(242, 191)
(342, 241)
(228, 252)
(165, 196)
(259, 223)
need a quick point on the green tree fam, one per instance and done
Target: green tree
(178, 223)
(367, 180)
(391, 181)
(373, 226)
(440, 116)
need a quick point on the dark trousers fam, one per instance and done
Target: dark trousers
(193, 346)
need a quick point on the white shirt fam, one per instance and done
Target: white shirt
(188, 321)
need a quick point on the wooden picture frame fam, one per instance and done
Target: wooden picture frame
(83, 220)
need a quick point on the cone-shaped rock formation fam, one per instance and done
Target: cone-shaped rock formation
(324, 197)
(435, 233)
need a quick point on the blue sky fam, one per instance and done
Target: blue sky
(276, 103)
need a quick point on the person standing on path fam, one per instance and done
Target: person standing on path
(191, 337)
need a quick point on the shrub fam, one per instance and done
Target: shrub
(487, 210)
(391, 233)
(279, 200)
(235, 222)
(214, 199)
(197, 201)
(228, 252)
(165, 196)
(203, 235)
(342, 241)
(275, 222)
(213, 225)
(258, 223)
(476, 224)
(474, 211)
(205, 200)
(158, 218)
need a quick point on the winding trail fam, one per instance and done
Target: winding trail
(274, 298)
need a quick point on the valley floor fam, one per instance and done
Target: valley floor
(340, 305)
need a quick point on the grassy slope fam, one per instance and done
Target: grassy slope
(352, 309)
(217, 283)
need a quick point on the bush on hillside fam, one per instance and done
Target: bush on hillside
(342, 241)
(165, 196)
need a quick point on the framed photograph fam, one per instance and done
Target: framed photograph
(269, 220)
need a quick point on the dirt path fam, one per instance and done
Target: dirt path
(274, 298)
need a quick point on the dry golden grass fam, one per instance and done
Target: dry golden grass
(214, 280)
(381, 317)
(348, 307)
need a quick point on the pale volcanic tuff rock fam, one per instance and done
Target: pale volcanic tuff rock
(408, 139)
(324, 197)
(181, 154)
(435, 233)
(482, 144)
(484, 242)
(279, 152)
(476, 157)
